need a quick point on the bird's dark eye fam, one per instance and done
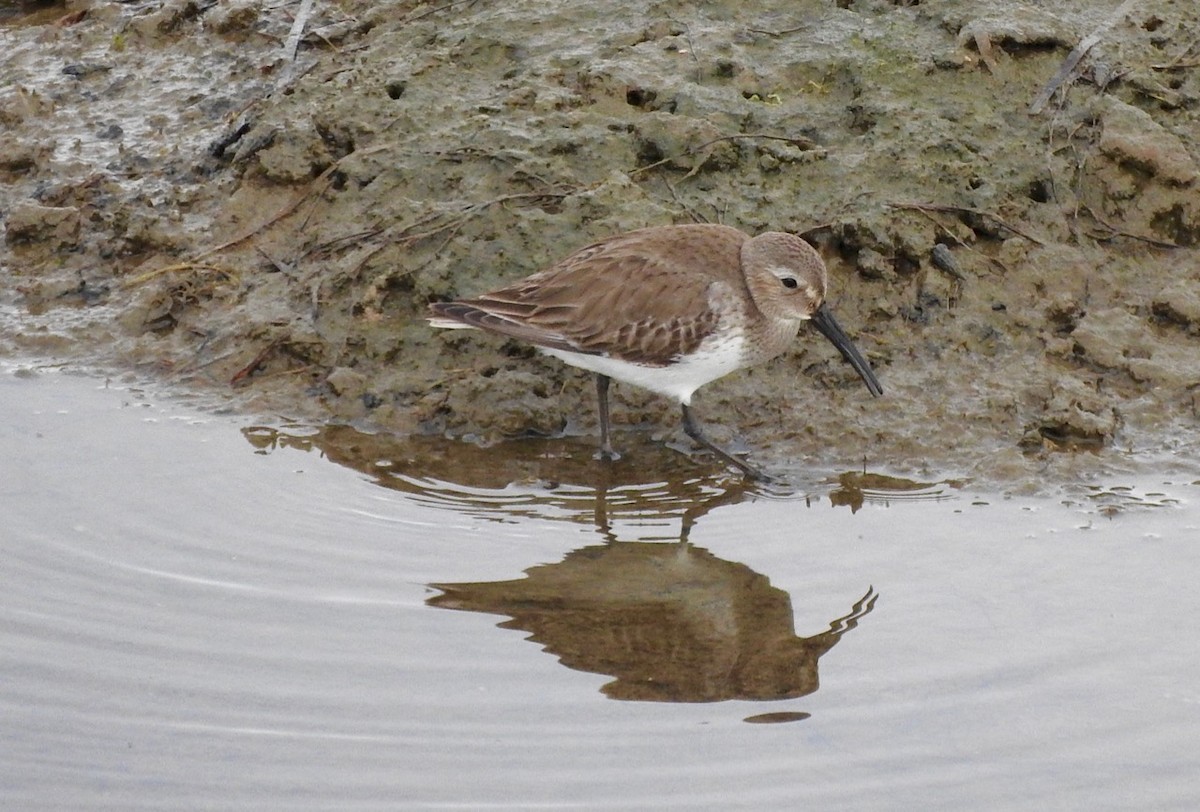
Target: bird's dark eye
(789, 282)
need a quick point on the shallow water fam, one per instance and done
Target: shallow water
(200, 612)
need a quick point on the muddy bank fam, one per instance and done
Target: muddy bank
(184, 198)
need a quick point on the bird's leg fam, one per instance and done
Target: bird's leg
(692, 430)
(606, 450)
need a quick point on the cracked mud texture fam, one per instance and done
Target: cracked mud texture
(184, 200)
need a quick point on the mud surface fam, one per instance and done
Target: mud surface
(184, 198)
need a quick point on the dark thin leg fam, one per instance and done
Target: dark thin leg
(692, 430)
(606, 449)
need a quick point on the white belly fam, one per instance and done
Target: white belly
(712, 360)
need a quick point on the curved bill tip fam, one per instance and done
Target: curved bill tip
(824, 321)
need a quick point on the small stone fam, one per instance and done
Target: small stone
(1111, 337)
(1131, 136)
(149, 306)
(347, 383)
(874, 265)
(234, 17)
(32, 222)
(17, 155)
(1180, 303)
(943, 260)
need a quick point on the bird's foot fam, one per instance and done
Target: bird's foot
(749, 471)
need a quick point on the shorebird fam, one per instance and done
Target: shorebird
(668, 309)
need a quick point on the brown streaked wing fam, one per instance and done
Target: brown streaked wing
(634, 297)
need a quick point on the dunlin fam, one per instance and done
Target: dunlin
(668, 309)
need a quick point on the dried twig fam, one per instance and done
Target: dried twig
(1180, 65)
(142, 278)
(281, 266)
(696, 216)
(1179, 62)
(781, 32)
(687, 34)
(1067, 70)
(987, 54)
(923, 207)
(318, 185)
(940, 227)
(436, 10)
(292, 43)
(1115, 232)
(248, 370)
(289, 207)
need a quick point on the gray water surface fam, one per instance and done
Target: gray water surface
(197, 612)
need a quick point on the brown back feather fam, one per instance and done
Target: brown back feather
(642, 296)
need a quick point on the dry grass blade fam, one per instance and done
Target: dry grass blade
(182, 267)
(1067, 71)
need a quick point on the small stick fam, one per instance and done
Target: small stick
(289, 207)
(1077, 53)
(292, 44)
(179, 266)
(967, 210)
(983, 44)
(284, 211)
(432, 11)
(1179, 62)
(1116, 232)
(781, 32)
(248, 370)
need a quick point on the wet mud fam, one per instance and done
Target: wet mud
(260, 204)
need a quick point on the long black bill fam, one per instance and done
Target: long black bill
(824, 321)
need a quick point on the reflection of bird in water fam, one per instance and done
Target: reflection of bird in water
(544, 479)
(535, 475)
(672, 622)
